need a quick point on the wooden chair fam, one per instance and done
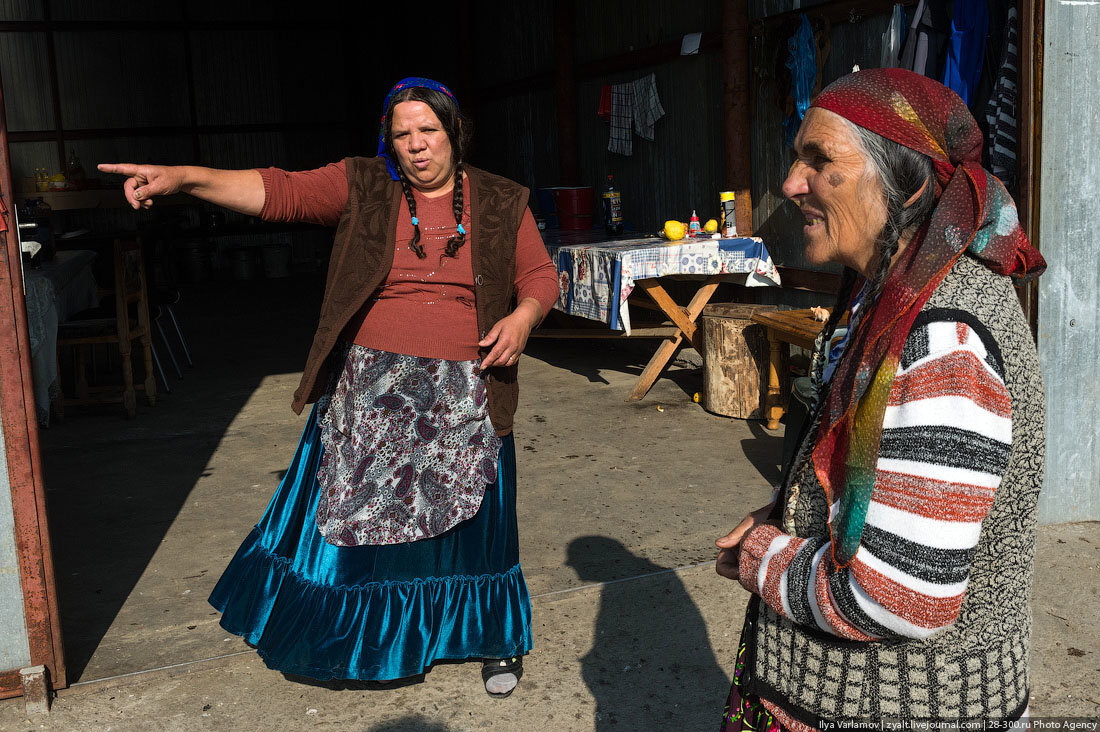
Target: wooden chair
(128, 322)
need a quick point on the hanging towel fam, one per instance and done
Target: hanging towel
(603, 111)
(622, 119)
(966, 47)
(647, 106)
(1001, 113)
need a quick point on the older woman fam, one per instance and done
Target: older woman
(891, 577)
(392, 543)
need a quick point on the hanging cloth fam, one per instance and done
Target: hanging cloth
(914, 56)
(891, 39)
(803, 65)
(647, 106)
(622, 119)
(635, 107)
(603, 111)
(966, 47)
(1000, 115)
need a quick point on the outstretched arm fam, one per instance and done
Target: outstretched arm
(238, 190)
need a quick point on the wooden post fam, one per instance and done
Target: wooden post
(738, 114)
(565, 93)
(1029, 114)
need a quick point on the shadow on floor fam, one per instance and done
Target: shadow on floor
(624, 355)
(651, 662)
(765, 451)
(115, 486)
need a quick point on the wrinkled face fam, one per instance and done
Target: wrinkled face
(844, 206)
(422, 146)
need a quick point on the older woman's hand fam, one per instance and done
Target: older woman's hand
(729, 555)
(509, 336)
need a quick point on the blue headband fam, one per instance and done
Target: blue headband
(412, 81)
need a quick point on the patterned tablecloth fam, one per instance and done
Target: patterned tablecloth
(595, 279)
(59, 289)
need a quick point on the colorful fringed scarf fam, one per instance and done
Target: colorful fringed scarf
(973, 214)
(411, 81)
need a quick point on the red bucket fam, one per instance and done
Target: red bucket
(574, 205)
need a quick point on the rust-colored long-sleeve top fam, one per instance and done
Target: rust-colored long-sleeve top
(425, 307)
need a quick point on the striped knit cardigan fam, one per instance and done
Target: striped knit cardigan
(931, 617)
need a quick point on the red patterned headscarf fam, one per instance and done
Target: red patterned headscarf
(973, 214)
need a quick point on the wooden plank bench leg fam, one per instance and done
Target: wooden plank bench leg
(774, 403)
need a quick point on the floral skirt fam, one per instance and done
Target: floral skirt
(746, 712)
(376, 612)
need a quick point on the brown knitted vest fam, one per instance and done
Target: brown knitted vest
(362, 254)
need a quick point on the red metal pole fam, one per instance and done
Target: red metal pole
(32, 538)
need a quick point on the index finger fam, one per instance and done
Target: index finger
(118, 168)
(495, 357)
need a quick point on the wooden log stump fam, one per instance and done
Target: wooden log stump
(735, 361)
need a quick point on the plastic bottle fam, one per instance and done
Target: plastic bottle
(612, 207)
(74, 170)
(693, 225)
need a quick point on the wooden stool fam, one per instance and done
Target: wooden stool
(129, 322)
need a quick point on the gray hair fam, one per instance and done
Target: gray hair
(900, 171)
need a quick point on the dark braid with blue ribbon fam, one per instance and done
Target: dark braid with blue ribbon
(443, 103)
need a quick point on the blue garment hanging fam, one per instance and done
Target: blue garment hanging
(803, 65)
(966, 47)
(376, 612)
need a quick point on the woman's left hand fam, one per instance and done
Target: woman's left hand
(509, 336)
(728, 563)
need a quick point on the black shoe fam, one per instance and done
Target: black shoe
(499, 667)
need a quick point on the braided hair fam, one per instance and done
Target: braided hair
(901, 172)
(457, 129)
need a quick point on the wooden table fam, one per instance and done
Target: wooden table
(597, 277)
(785, 327)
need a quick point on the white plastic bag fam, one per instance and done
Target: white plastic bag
(891, 39)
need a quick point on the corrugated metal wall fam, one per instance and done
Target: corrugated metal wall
(1069, 292)
(517, 135)
(774, 218)
(20, 10)
(139, 78)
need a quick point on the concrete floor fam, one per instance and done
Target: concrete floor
(619, 504)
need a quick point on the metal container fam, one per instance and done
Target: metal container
(728, 225)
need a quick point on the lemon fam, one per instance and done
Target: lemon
(674, 230)
(711, 226)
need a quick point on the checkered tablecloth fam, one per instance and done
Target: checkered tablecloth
(595, 279)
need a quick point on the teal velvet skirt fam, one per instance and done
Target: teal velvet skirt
(376, 612)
